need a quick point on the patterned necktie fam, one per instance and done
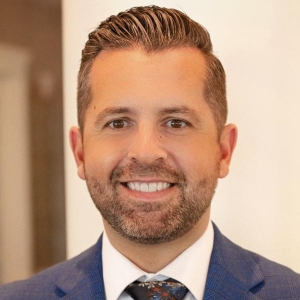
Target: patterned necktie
(169, 289)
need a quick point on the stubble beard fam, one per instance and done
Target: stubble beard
(158, 221)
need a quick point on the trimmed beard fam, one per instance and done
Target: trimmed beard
(158, 221)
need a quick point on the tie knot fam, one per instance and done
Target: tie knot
(157, 290)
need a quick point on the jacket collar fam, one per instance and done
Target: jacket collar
(232, 272)
(84, 278)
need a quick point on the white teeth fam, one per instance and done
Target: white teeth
(144, 187)
(148, 187)
(165, 185)
(159, 186)
(131, 185)
(152, 187)
(136, 186)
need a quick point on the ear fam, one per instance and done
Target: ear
(227, 144)
(77, 148)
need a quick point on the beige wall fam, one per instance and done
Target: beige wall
(258, 205)
(31, 123)
(16, 238)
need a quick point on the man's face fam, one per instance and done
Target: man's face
(150, 151)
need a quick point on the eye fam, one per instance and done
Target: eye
(176, 123)
(117, 124)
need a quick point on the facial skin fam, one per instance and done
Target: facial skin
(150, 151)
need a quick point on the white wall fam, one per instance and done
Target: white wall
(258, 42)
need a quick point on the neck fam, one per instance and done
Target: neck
(153, 258)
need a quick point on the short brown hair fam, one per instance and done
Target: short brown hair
(153, 28)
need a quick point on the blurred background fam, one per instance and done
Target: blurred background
(32, 204)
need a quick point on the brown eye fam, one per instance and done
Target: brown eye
(176, 123)
(118, 124)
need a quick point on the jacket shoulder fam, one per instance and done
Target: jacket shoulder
(263, 278)
(277, 275)
(43, 284)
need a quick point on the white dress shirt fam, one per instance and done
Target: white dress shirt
(190, 268)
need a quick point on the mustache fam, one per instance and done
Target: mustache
(157, 169)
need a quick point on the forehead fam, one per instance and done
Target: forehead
(134, 75)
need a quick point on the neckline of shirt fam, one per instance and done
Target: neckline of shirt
(190, 267)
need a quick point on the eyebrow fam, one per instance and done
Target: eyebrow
(110, 112)
(180, 110)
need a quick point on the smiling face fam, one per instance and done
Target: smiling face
(150, 151)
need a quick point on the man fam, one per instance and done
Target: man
(151, 145)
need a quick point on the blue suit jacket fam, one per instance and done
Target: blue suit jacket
(234, 273)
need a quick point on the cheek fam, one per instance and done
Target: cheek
(101, 159)
(196, 159)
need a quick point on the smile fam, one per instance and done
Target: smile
(148, 187)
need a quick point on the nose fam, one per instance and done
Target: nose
(146, 146)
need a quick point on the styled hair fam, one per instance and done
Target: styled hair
(153, 29)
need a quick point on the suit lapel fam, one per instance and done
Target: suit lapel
(85, 279)
(232, 272)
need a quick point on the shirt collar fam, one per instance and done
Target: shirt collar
(190, 267)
